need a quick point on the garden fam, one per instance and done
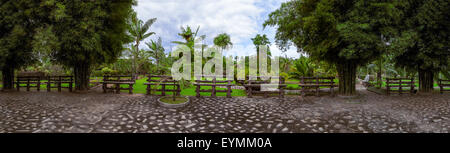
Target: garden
(357, 51)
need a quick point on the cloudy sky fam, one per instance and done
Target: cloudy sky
(241, 19)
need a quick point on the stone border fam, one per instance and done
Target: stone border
(163, 104)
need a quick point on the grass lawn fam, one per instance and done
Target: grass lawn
(139, 87)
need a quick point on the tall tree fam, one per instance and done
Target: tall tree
(345, 33)
(423, 41)
(88, 33)
(17, 26)
(223, 41)
(157, 52)
(138, 31)
(260, 40)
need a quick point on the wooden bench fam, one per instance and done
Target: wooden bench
(443, 84)
(213, 83)
(29, 81)
(164, 82)
(400, 85)
(254, 86)
(313, 84)
(117, 81)
(58, 82)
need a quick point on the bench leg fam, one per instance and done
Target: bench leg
(149, 91)
(48, 86)
(18, 86)
(281, 93)
(197, 90)
(104, 87)
(70, 87)
(117, 88)
(131, 89)
(442, 89)
(228, 91)
(163, 90)
(213, 93)
(59, 86)
(317, 91)
(38, 86)
(249, 94)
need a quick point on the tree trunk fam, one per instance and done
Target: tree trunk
(426, 81)
(347, 78)
(379, 79)
(82, 73)
(8, 78)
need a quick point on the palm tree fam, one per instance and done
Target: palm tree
(138, 31)
(223, 41)
(157, 52)
(258, 41)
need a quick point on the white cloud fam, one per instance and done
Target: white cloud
(242, 19)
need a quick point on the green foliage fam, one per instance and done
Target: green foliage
(346, 33)
(157, 52)
(303, 67)
(223, 41)
(422, 42)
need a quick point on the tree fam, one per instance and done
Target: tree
(260, 40)
(88, 33)
(17, 26)
(423, 40)
(223, 41)
(157, 52)
(138, 30)
(345, 33)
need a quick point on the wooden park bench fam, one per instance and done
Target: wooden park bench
(213, 83)
(313, 84)
(400, 85)
(58, 82)
(254, 86)
(164, 82)
(117, 81)
(28, 82)
(443, 84)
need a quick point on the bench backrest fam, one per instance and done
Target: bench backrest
(400, 81)
(444, 82)
(162, 79)
(317, 80)
(260, 80)
(119, 78)
(60, 78)
(28, 78)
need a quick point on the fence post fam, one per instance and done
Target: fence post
(49, 83)
(400, 90)
(213, 92)
(28, 84)
(70, 84)
(387, 86)
(318, 86)
(229, 89)
(59, 83)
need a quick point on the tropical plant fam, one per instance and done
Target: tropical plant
(303, 67)
(157, 52)
(223, 41)
(138, 31)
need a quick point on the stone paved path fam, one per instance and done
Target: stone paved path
(97, 112)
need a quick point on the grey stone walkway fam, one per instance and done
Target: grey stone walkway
(97, 112)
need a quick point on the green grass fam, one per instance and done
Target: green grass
(140, 88)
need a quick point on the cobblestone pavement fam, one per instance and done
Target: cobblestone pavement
(97, 112)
